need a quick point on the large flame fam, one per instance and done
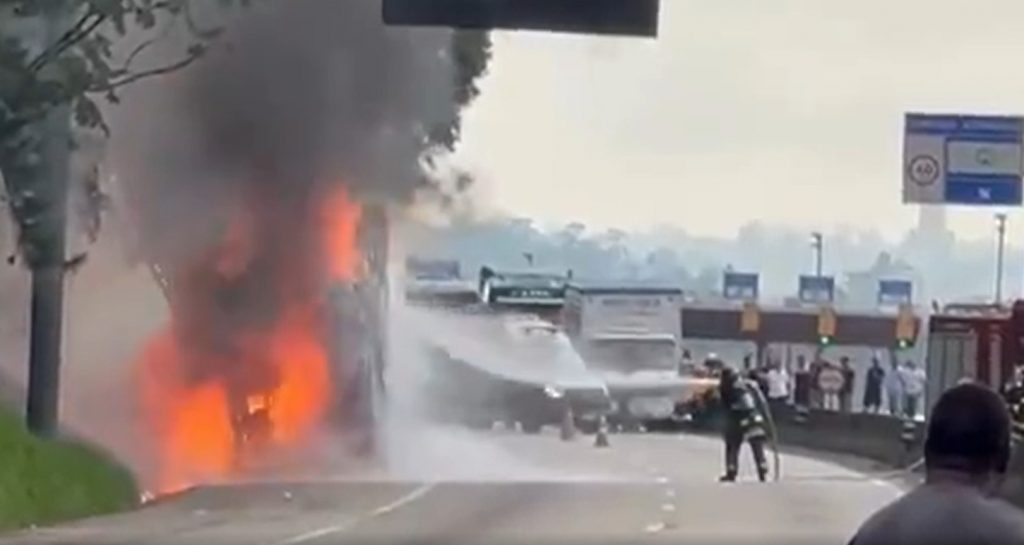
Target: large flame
(341, 217)
(217, 394)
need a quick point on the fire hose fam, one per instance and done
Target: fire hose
(765, 409)
(773, 436)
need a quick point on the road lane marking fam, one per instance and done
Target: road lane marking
(655, 527)
(668, 507)
(348, 524)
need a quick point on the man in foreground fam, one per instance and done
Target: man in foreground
(966, 455)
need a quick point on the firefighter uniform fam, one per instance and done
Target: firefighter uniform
(743, 422)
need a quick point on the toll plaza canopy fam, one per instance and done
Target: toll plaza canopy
(791, 326)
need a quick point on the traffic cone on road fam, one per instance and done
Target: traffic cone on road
(601, 439)
(568, 431)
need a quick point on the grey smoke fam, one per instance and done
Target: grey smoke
(298, 96)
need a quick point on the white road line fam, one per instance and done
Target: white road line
(348, 524)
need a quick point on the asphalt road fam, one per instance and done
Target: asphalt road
(514, 489)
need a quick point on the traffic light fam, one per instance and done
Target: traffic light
(906, 328)
(750, 319)
(826, 325)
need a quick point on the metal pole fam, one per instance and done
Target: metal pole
(817, 244)
(1000, 249)
(47, 300)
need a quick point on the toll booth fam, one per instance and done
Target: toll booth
(794, 326)
(973, 342)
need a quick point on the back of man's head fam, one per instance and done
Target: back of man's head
(969, 431)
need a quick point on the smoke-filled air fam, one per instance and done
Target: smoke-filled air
(249, 181)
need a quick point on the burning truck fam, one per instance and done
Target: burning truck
(258, 357)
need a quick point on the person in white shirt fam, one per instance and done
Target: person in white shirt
(894, 391)
(966, 456)
(778, 386)
(913, 380)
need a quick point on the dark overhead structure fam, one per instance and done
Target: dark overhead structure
(613, 17)
(788, 326)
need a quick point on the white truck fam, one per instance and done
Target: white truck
(631, 336)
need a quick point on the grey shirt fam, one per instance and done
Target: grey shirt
(944, 513)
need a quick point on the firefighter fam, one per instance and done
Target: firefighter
(743, 422)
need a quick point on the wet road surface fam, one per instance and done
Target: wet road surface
(515, 489)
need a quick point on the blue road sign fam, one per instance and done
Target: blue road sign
(895, 292)
(740, 286)
(817, 289)
(962, 159)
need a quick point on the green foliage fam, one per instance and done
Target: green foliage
(41, 70)
(49, 481)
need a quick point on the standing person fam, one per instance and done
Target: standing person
(686, 366)
(913, 379)
(966, 454)
(778, 387)
(873, 387)
(743, 422)
(802, 384)
(849, 378)
(817, 398)
(830, 382)
(894, 389)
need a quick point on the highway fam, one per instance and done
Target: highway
(455, 486)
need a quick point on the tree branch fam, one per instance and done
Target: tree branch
(139, 49)
(127, 80)
(89, 21)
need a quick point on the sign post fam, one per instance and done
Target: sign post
(962, 159)
(817, 289)
(895, 292)
(740, 286)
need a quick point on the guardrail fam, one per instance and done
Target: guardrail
(880, 438)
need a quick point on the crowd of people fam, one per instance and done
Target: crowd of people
(821, 383)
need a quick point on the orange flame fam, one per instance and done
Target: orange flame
(341, 216)
(192, 424)
(195, 419)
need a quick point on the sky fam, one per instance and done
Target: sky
(789, 112)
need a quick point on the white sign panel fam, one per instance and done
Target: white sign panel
(960, 159)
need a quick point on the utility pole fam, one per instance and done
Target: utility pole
(1000, 250)
(47, 257)
(817, 243)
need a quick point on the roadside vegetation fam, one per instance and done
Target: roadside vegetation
(43, 482)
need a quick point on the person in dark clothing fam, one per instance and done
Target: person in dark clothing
(802, 384)
(743, 422)
(849, 379)
(966, 456)
(1013, 393)
(873, 387)
(818, 365)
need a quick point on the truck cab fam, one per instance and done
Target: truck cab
(437, 283)
(630, 334)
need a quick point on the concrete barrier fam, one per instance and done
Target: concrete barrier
(879, 438)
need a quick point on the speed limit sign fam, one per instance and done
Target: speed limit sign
(924, 169)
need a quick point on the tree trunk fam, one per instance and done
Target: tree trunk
(45, 350)
(46, 320)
